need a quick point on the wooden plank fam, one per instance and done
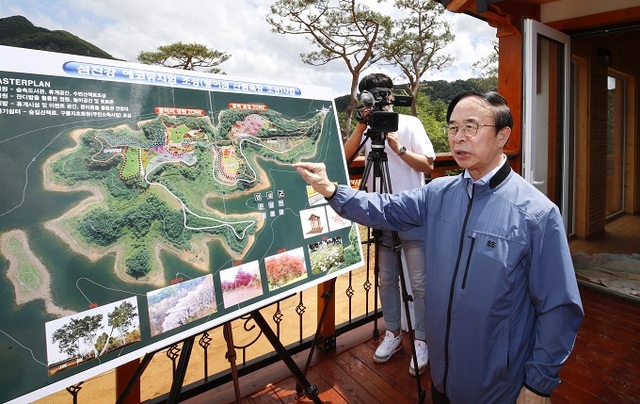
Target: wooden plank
(603, 364)
(285, 391)
(396, 370)
(344, 383)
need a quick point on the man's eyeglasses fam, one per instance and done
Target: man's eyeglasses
(468, 129)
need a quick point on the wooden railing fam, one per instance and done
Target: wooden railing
(444, 164)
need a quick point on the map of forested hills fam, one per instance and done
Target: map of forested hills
(152, 183)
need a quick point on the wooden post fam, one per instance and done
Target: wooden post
(124, 373)
(510, 86)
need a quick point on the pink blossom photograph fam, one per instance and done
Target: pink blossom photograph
(240, 283)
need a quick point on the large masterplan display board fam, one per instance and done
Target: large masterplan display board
(141, 205)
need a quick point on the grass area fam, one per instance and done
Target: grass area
(177, 134)
(131, 166)
(28, 276)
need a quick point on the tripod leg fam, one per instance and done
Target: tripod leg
(406, 297)
(372, 236)
(376, 276)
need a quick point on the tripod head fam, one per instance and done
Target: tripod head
(377, 152)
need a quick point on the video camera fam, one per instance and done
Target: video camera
(380, 120)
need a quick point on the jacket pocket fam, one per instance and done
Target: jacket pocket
(493, 263)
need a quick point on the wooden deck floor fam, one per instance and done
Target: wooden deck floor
(603, 368)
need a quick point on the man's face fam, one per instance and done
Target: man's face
(478, 153)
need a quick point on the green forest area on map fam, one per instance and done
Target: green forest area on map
(168, 168)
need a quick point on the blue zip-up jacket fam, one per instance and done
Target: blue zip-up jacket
(502, 302)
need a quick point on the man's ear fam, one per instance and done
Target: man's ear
(504, 135)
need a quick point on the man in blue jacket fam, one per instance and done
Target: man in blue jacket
(502, 302)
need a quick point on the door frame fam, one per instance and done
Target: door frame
(532, 30)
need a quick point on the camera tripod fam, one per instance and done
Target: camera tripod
(378, 162)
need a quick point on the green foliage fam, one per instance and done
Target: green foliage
(446, 90)
(433, 117)
(190, 56)
(69, 169)
(139, 217)
(173, 229)
(102, 341)
(352, 252)
(154, 131)
(418, 43)
(104, 227)
(122, 316)
(346, 30)
(68, 336)
(138, 263)
(342, 102)
(121, 189)
(101, 226)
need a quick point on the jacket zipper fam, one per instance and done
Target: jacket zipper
(466, 268)
(452, 291)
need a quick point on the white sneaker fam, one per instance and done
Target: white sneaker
(389, 345)
(422, 352)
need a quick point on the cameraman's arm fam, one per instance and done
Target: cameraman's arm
(418, 162)
(351, 145)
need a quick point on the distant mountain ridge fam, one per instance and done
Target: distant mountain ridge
(19, 32)
(438, 90)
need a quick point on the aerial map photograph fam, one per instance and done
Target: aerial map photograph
(142, 205)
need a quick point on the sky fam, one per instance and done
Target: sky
(124, 28)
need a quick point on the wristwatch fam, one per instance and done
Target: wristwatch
(403, 150)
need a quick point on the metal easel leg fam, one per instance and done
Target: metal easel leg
(311, 390)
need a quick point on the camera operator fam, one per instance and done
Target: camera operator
(410, 155)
